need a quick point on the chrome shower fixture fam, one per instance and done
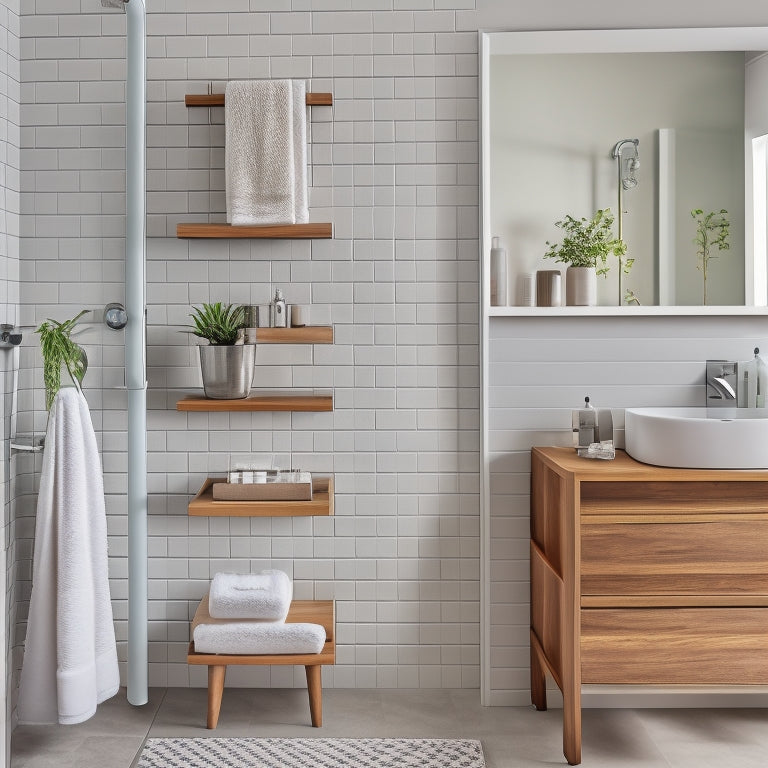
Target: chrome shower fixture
(628, 162)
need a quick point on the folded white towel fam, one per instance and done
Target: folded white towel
(266, 595)
(254, 637)
(266, 152)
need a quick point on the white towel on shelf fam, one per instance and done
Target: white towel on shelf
(266, 152)
(266, 595)
(70, 656)
(258, 637)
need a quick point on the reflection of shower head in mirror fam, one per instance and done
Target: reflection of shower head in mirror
(629, 163)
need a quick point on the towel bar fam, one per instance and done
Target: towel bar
(217, 99)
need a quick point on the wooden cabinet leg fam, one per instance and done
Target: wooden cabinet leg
(216, 675)
(538, 680)
(572, 725)
(315, 689)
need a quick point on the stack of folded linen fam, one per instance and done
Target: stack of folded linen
(247, 616)
(265, 596)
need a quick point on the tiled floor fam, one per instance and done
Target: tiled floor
(511, 737)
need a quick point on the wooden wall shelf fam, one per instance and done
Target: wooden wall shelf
(266, 401)
(312, 230)
(309, 334)
(217, 99)
(203, 504)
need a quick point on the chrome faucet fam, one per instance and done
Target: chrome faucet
(722, 383)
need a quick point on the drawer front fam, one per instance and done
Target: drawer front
(711, 558)
(705, 646)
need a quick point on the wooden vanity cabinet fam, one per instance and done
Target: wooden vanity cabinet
(644, 575)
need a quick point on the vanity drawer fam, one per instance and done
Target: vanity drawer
(706, 646)
(724, 557)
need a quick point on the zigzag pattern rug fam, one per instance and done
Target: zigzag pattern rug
(311, 753)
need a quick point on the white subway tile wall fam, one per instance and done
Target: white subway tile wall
(10, 142)
(394, 167)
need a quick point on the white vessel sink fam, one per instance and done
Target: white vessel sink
(698, 438)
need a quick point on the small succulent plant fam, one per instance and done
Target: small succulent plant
(219, 323)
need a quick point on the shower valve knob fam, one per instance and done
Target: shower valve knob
(115, 316)
(9, 336)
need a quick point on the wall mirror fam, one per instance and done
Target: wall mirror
(653, 124)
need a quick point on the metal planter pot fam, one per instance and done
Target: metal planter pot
(227, 370)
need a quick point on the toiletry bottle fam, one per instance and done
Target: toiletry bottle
(498, 275)
(584, 424)
(279, 319)
(762, 379)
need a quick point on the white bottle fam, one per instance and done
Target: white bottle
(498, 274)
(279, 319)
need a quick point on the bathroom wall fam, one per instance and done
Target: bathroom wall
(542, 368)
(9, 296)
(395, 169)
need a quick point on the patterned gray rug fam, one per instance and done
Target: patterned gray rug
(311, 753)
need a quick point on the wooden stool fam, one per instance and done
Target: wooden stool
(301, 611)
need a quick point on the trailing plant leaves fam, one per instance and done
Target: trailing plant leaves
(58, 349)
(217, 322)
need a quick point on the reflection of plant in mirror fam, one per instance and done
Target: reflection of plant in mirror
(588, 243)
(58, 349)
(712, 231)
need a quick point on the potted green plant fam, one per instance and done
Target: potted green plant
(61, 354)
(226, 363)
(712, 231)
(585, 247)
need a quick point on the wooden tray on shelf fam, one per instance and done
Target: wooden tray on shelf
(204, 505)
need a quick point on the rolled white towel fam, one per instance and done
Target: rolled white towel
(255, 637)
(266, 595)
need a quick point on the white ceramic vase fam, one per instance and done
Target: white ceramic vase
(581, 287)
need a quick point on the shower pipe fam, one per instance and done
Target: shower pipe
(135, 343)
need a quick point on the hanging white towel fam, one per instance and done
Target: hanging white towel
(266, 152)
(70, 656)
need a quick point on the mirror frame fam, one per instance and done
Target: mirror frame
(622, 41)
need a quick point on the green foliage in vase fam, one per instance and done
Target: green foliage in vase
(712, 231)
(589, 242)
(217, 322)
(58, 349)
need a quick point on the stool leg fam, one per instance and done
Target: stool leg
(216, 675)
(315, 689)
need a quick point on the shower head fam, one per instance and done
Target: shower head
(629, 162)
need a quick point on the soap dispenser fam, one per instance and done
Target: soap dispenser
(584, 423)
(279, 315)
